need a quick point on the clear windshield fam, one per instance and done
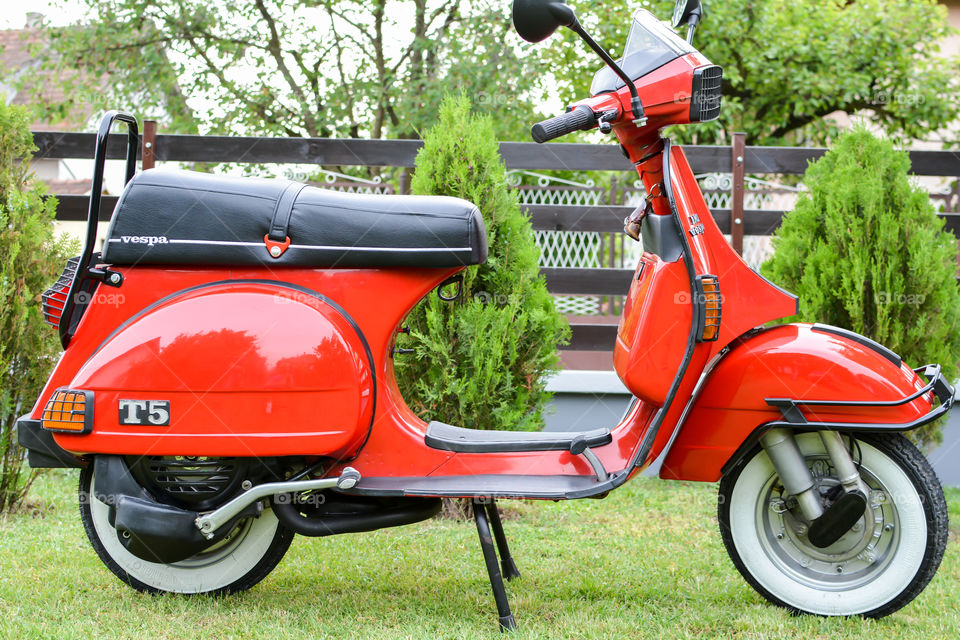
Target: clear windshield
(650, 45)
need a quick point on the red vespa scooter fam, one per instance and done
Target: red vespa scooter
(241, 390)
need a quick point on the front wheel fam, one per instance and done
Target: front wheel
(877, 567)
(233, 564)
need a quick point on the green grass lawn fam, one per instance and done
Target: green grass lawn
(645, 562)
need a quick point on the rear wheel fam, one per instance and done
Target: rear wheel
(236, 563)
(876, 568)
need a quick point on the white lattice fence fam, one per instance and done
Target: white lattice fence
(333, 181)
(569, 249)
(758, 194)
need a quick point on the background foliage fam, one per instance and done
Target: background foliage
(380, 68)
(865, 250)
(327, 68)
(480, 362)
(787, 64)
(30, 259)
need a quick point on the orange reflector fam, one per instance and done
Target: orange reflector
(68, 411)
(711, 308)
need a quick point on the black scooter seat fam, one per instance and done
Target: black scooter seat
(183, 217)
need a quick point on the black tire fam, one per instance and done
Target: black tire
(883, 585)
(250, 553)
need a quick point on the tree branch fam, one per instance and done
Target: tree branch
(309, 118)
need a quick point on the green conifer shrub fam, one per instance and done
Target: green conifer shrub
(481, 362)
(30, 260)
(865, 250)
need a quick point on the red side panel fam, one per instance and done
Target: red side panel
(237, 363)
(749, 300)
(653, 332)
(790, 361)
(245, 365)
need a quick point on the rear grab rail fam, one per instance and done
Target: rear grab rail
(76, 300)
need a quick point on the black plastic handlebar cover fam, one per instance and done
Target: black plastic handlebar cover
(581, 118)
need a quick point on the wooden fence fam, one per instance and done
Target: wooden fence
(737, 159)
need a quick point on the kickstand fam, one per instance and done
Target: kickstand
(507, 623)
(507, 565)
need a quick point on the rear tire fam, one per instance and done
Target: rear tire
(879, 566)
(235, 564)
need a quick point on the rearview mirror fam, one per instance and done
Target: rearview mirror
(686, 11)
(536, 20)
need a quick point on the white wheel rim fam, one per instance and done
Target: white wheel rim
(872, 585)
(211, 570)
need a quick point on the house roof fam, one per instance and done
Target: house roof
(21, 51)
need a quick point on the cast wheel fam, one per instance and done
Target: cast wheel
(876, 568)
(234, 564)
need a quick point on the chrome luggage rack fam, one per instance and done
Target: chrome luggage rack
(794, 418)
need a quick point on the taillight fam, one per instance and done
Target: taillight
(68, 411)
(55, 298)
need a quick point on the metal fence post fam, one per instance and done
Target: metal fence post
(736, 205)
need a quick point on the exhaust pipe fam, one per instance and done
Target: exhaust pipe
(352, 514)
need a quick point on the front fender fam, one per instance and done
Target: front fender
(799, 362)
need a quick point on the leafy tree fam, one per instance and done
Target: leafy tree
(481, 362)
(864, 250)
(30, 259)
(788, 64)
(343, 68)
(380, 68)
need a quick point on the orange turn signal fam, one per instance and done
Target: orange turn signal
(68, 411)
(709, 286)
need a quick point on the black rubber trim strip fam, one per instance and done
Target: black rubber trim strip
(287, 285)
(43, 452)
(651, 434)
(450, 438)
(861, 340)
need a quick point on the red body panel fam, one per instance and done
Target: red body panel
(788, 361)
(654, 329)
(238, 342)
(650, 343)
(241, 363)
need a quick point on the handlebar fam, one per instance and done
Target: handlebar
(580, 118)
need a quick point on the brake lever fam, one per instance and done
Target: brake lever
(606, 118)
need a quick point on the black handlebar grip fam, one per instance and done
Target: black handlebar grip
(580, 119)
